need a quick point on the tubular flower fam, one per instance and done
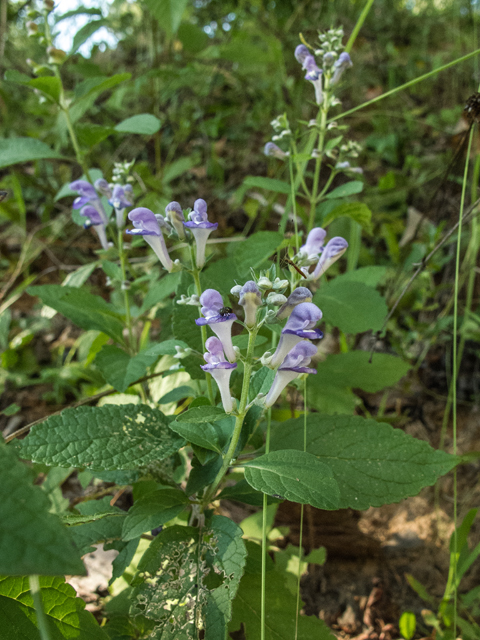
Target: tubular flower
(102, 186)
(174, 214)
(295, 363)
(344, 61)
(87, 195)
(250, 300)
(219, 319)
(335, 248)
(220, 370)
(201, 228)
(313, 246)
(300, 326)
(301, 52)
(299, 295)
(147, 224)
(120, 200)
(274, 151)
(94, 219)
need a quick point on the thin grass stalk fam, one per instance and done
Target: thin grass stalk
(37, 603)
(300, 541)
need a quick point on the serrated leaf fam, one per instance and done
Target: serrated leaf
(112, 437)
(153, 510)
(372, 463)
(347, 189)
(18, 150)
(83, 308)
(332, 398)
(243, 492)
(121, 370)
(354, 370)
(280, 609)
(168, 13)
(32, 540)
(143, 123)
(202, 434)
(296, 476)
(65, 613)
(106, 526)
(351, 306)
(256, 250)
(270, 184)
(201, 475)
(202, 414)
(357, 211)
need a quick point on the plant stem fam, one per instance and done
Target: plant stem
(128, 317)
(264, 539)
(227, 459)
(37, 602)
(203, 328)
(300, 542)
(318, 161)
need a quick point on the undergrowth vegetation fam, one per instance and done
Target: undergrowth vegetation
(231, 244)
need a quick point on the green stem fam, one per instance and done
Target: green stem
(37, 602)
(242, 411)
(359, 25)
(264, 539)
(203, 328)
(294, 205)
(128, 317)
(318, 162)
(300, 542)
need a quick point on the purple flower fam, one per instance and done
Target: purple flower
(88, 195)
(300, 326)
(220, 370)
(314, 75)
(174, 214)
(299, 295)
(301, 52)
(274, 151)
(120, 200)
(335, 248)
(250, 300)
(147, 224)
(313, 245)
(219, 319)
(102, 186)
(295, 363)
(94, 219)
(344, 61)
(201, 228)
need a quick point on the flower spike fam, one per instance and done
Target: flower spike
(295, 363)
(300, 326)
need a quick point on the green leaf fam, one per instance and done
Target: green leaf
(177, 394)
(353, 370)
(203, 435)
(347, 189)
(49, 85)
(370, 276)
(144, 123)
(65, 613)
(280, 610)
(168, 13)
(90, 134)
(296, 476)
(79, 276)
(330, 398)
(243, 492)
(192, 37)
(112, 437)
(99, 84)
(161, 290)
(201, 475)
(79, 11)
(357, 211)
(17, 150)
(256, 250)
(121, 370)
(372, 463)
(165, 348)
(271, 184)
(183, 320)
(153, 510)
(83, 308)
(351, 306)
(106, 525)
(202, 414)
(32, 540)
(84, 33)
(407, 625)
(260, 382)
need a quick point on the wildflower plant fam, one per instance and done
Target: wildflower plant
(197, 421)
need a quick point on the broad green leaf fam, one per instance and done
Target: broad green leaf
(353, 370)
(192, 37)
(328, 397)
(106, 525)
(121, 370)
(202, 414)
(161, 290)
(79, 11)
(112, 437)
(220, 275)
(48, 85)
(271, 184)
(166, 348)
(177, 394)
(90, 134)
(32, 540)
(79, 276)
(347, 189)
(243, 492)
(12, 75)
(372, 463)
(183, 324)
(280, 610)
(98, 84)
(144, 123)
(178, 167)
(351, 306)
(201, 475)
(65, 613)
(357, 211)
(260, 382)
(370, 276)
(83, 308)
(84, 33)
(256, 250)
(168, 13)
(18, 150)
(155, 509)
(202, 434)
(296, 476)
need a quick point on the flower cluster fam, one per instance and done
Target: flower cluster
(321, 257)
(91, 208)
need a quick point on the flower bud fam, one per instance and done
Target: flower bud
(264, 283)
(235, 291)
(48, 5)
(32, 28)
(56, 56)
(277, 299)
(278, 284)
